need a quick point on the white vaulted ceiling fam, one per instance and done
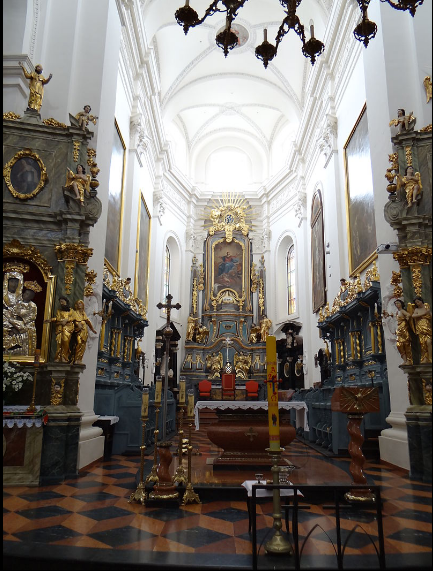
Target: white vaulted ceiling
(210, 103)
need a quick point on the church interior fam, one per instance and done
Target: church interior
(217, 277)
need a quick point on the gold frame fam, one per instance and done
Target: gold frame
(366, 262)
(141, 200)
(213, 261)
(16, 250)
(110, 267)
(7, 174)
(122, 202)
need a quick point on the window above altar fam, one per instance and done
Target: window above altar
(228, 168)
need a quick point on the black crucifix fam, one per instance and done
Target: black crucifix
(167, 333)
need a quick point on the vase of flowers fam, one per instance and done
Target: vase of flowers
(14, 378)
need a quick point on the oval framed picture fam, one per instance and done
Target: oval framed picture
(25, 174)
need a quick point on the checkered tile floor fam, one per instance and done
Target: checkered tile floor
(89, 520)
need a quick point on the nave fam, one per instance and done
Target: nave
(87, 523)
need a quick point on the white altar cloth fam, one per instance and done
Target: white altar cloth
(300, 407)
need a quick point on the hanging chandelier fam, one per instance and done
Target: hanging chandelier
(366, 30)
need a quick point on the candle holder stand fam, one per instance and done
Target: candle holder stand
(140, 496)
(32, 408)
(190, 496)
(179, 475)
(153, 477)
(278, 545)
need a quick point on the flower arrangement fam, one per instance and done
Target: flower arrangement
(13, 376)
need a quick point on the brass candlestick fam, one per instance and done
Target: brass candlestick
(140, 493)
(190, 496)
(32, 408)
(179, 475)
(278, 544)
(153, 477)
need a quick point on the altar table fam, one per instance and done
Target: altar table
(242, 430)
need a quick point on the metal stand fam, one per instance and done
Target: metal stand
(278, 544)
(190, 496)
(32, 408)
(179, 475)
(140, 495)
(152, 477)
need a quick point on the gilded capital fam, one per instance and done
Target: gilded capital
(73, 252)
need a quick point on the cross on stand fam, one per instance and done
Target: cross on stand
(167, 333)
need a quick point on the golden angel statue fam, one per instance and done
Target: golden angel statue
(412, 185)
(190, 328)
(428, 88)
(79, 182)
(254, 333)
(84, 117)
(202, 334)
(403, 121)
(242, 364)
(422, 326)
(36, 85)
(214, 363)
(81, 322)
(402, 332)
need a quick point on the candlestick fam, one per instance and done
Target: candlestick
(158, 390)
(32, 408)
(182, 386)
(190, 410)
(145, 403)
(273, 414)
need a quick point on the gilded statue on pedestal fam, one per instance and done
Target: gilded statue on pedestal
(202, 334)
(84, 117)
(402, 333)
(81, 322)
(422, 326)
(190, 328)
(64, 320)
(242, 364)
(265, 325)
(412, 185)
(36, 85)
(214, 363)
(79, 182)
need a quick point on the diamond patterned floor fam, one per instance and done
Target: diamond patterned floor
(89, 520)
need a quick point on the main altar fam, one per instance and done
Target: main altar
(227, 323)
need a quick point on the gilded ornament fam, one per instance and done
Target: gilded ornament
(413, 255)
(11, 115)
(254, 278)
(428, 89)
(242, 363)
(229, 215)
(358, 399)
(57, 388)
(76, 151)
(395, 281)
(30, 178)
(214, 363)
(90, 278)
(261, 296)
(84, 117)
(408, 154)
(74, 252)
(69, 275)
(16, 249)
(321, 315)
(36, 85)
(375, 273)
(51, 122)
(405, 122)
(194, 295)
(411, 182)
(427, 128)
(417, 279)
(421, 320)
(392, 172)
(201, 278)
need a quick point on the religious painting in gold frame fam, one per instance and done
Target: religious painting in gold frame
(228, 266)
(361, 226)
(25, 174)
(142, 255)
(317, 253)
(30, 267)
(113, 240)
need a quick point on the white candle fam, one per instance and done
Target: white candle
(190, 410)
(182, 386)
(158, 390)
(145, 403)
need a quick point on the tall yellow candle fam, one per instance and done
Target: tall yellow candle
(273, 416)
(182, 386)
(158, 390)
(190, 409)
(145, 403)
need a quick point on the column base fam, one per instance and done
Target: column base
(393, 442)
(90, 451)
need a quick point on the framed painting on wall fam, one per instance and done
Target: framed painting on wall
(361, 226)
(228, 266)
(142, 257)
(317, 253)
(113, 241)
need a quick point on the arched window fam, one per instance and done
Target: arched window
(291, 280)
(167, 265)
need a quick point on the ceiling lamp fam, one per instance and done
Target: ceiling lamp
(366, 30)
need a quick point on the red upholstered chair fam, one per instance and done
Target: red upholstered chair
(228, 385)
(252, 388)
(204, 388)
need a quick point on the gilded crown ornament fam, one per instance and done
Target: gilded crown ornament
(33, 285)
(15, 266)
(229, 214)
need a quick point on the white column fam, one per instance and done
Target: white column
(391, 82)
